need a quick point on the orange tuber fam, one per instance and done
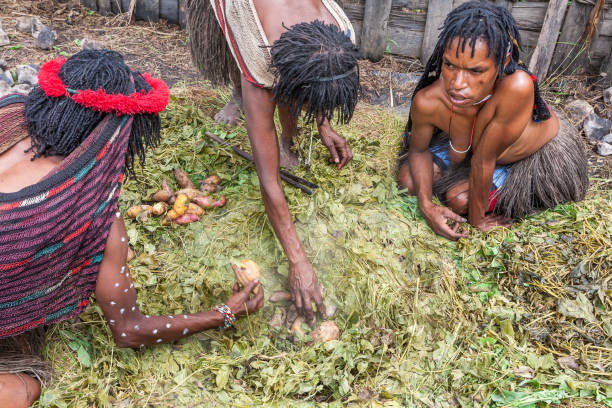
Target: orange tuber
(183, 179)
(214, 179)
(191, 193)
(159, 208)
(173, 215)
(161, 196)
(133, 211)
(246, 272)
(181, 203)
(194, 209)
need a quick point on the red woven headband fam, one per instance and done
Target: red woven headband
(154, 101)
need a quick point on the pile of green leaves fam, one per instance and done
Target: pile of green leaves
(424, 322)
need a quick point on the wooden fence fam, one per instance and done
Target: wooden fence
(555, 33)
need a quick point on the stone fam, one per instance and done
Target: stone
(36, 27)
(27, 74)
(22, 88)
(4, 38)
(607, 94)
(88, 44)
(604, 149)
(24, 24)
(3, 65)
(596, 127)
(7, 77)
(607, 138)
(578, 110)
(46, 39)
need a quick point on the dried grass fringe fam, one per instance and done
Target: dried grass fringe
(555, 174)
(23, 354)
(209, 50)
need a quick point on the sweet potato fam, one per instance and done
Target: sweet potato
(327, 331)
(183, 179)
(186, 219)
(220, 202)
(173, 215)
(134, 210)
(214, 179)
(209, 188)
(204, 202)
(161, 196)
(246, 272)
(159, 208)
(181, 203)
(191, 193)
(194, 209)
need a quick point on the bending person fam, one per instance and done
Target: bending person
(480, 136)
(63, 152)
(299, 54)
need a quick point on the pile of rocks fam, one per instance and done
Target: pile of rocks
(21, 80)
(44, 36)
(598, 130)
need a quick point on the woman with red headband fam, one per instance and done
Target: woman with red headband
(63, 152)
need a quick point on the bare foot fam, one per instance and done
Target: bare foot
(288, 159)
(18, 390)
(231, 113)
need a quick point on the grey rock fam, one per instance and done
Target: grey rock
(46, 39)
(3, 64)
(4, 38)
(578, 110)
(88, 44)
(4, 88)
(608, 95)
(22, 88)
(607, 138)
(24, 24)
(596, 127)
(405, 79)
(604, 149)
(27, 74)
(7, 78)
(36, 27)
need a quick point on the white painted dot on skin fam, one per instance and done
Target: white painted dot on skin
(113, 303)
(147, 316)
(184, 316)
(133, 308)
(158, 340)
(185, 331)
(155, 331)
(168, 325)
(123, 335)
(125, 290)
(122, 269)
(131, 285)
(170, 317)
(122, 239)
(122, 310)
(142, 345)
(112, 322)
(136, 327)
(117, 214)
(117, 284)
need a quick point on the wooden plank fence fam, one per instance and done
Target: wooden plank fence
(553, 32)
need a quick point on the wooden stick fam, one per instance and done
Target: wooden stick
(543, 53)
(287, 177)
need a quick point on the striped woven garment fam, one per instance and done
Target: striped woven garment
(53, 233)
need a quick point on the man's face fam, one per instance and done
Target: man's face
(467, 79)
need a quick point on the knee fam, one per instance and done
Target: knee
(404, 179)
(18, 390)
(457, 199)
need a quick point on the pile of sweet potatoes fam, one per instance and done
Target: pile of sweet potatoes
(183, 206)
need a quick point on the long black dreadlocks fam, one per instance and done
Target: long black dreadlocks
(316, 67)
(495, 25)
(57, 126)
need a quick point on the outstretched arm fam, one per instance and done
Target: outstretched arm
(259, 114)
(116, 296)
(421, 169)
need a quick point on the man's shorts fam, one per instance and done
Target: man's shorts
(442, 160)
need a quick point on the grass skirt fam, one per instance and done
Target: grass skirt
(22, 354)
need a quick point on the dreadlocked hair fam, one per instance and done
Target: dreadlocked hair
(58, 126)
(316, 68)
(495, 25)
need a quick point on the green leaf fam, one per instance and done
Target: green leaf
(222, 377)
(84, 357)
